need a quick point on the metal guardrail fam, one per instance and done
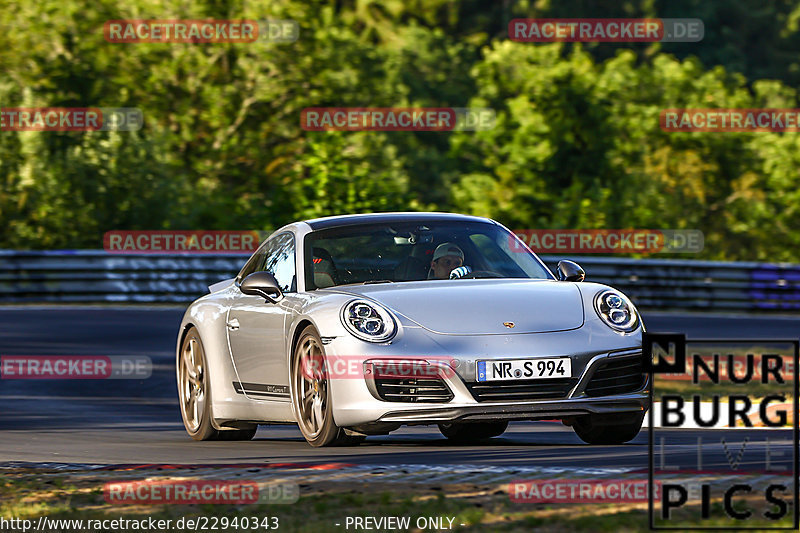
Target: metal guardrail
(700, 285)
(89, 276)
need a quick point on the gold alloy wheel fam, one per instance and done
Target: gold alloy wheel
(192, 385)
(310, 387)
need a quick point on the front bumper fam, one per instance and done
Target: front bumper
(588, 347)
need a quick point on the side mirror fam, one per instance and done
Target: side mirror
(570, 271)
(262, 284)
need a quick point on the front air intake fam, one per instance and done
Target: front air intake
(617, 377)
(549, 389)
(389, 382)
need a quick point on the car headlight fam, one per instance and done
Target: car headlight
(368, 321)
(616, 311)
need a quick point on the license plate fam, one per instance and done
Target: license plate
(544, 368)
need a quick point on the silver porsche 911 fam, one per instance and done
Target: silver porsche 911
(354, 325)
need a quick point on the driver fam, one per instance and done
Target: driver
(446, 257)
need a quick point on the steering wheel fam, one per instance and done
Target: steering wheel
(475, 274)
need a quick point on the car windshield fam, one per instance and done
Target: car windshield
(397, 252)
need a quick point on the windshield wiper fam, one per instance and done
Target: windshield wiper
(373, 281)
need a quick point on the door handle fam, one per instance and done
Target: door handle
(233, 325)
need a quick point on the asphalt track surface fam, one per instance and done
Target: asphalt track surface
(134, 422)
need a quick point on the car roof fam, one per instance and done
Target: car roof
(382, 218)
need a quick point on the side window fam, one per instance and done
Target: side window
(279, 261)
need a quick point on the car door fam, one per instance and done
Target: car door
(256, 329)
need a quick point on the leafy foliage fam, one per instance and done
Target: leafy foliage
(577, 142)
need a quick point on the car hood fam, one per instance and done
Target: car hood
(481, 306)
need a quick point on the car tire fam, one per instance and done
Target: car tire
(194, 393)
(312, 399)
(472, 431)
(608, 429)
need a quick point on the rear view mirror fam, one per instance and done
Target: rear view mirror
(262, 284)
(570, 271)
